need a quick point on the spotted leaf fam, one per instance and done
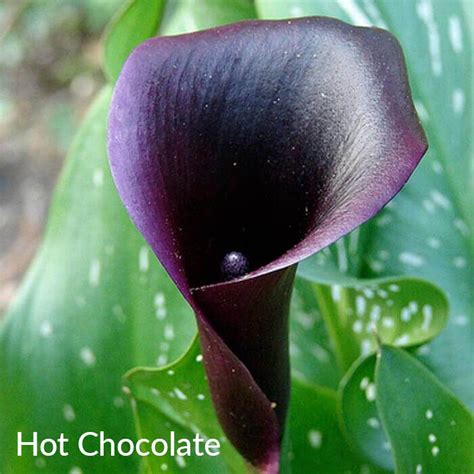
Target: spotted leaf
(359, 417)
(401, 311)
(176, 398)
(316, 442)
(429, 429)
(94, 304)
(311, 349)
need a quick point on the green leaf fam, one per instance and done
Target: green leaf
(426, 231)
(402, 311)
(316, 442)
(176, 398)
(137, 21)
(359, 416)
(94, 304)
(185, 16)
(312, 355)
(429, 429)
(406, 383)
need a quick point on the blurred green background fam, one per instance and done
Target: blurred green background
(50, 70)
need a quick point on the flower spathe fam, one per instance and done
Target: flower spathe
(239, 151)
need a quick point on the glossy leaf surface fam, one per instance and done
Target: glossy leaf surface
(95, 304)
(429, 429)
(182, 403)
(137, 21)
(359, 416)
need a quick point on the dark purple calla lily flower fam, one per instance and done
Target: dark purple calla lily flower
(240, 150)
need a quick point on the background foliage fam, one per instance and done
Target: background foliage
(96, 303)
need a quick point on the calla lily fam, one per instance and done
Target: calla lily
(240, 150)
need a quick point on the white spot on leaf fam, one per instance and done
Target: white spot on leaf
(357, 327)
(94, 272)
(373, 423)
(46, 329)
(365, 347)
(433, 242)
(424, 9)
(87, 356)
(440, 199)
(315, 439)
(360, 305)
(296, 11)
(459, 262)
(355, 13)
(412, 259)
(455, 33)
(162, 360)
(169, 332)
(402, 340)
(421, 111)
(370, 392)
(336, 292)
(364, 383)
(68, 413)
(461, 320)
(143, 260)
(458, 101)
(405, 315)
(437, 167)
(160, 308)
(388, 323)
(98, 178)
(427, 317)
(375, 313)
(180, 394)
